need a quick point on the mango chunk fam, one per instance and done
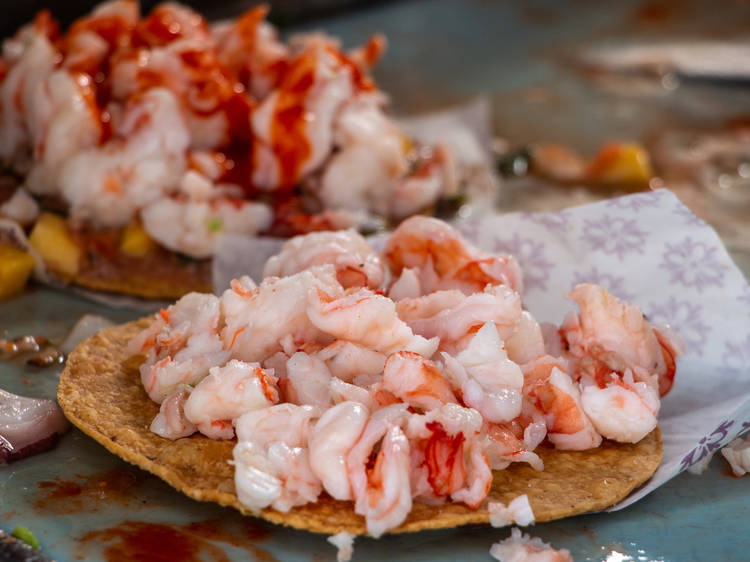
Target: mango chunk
(135, 241)
(15, 268)
(621, 163)
(50, 237)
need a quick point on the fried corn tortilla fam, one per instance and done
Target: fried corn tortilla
(101, 393)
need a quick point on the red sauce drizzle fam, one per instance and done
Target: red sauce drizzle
(288, 126)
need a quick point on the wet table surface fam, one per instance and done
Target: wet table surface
(83, 503)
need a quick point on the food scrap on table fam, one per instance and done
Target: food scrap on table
(344, 542)
(520, 547)
(28, 426)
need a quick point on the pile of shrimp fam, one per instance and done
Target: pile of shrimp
(394, 377)
(195, 129)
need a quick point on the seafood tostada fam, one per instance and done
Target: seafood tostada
(137, 141)
(365, 392)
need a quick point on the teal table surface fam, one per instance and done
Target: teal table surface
(83, 503)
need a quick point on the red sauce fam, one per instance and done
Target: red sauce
(288, 125)
(163, 25)
(87, 494)
(45, 24)
(152, 542)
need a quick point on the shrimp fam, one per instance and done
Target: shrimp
(250, 48)
(343, 391)
(526, 342)
(365, 171)
(384, 501)
(622, 410)
(356, 263)
(347, 360)
(489, 381)
(406, 286)
(310, 380)
(416, 380)
(257, 319)
(366, 318)
(106, 185)
(617, 336)
(330, 441)
(554, 394)
(272, 464)
(450, 455)
(182, 345)
(445, 260)
(313, 82)
(520, 547)
(227, 393)
(387, 499)
(171, 422)
(451, 315)
(21, 208)
(511, 442)
(193, 227)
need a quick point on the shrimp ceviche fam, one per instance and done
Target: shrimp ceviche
(397, 377)
(164, 130)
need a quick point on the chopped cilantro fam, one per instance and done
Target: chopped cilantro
(215, 224)
(23, 534)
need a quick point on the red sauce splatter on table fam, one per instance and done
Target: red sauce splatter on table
(88, 494)
(156, 542)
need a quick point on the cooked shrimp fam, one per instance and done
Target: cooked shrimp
(182, 345)
(417, 381)
(257, 319)
(387, 498)
(331, 439)
(445, 260)
(107, 184)
(618, 336)
(347, 360)
(193, 227)
(356, 263)
(367, 318)
(227, 393)
(310, 379)
(343, 391)
(21, 208)
(250, 47)
(171, 422)
(452, 459)
(622, 410)
(502, 446)
(360, 477)
(526, 342)
(489, 381)
(406, 286)
(451, 315)
(271, 460)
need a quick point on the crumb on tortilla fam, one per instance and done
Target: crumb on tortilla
(518, 511)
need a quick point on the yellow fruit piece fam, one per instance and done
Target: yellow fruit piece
(15, 268)
(135, 242)
(626, 163)
(51, 239)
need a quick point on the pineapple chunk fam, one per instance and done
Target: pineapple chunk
(51, 239)
(15, 268)
(135, 241)
(621, 163)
